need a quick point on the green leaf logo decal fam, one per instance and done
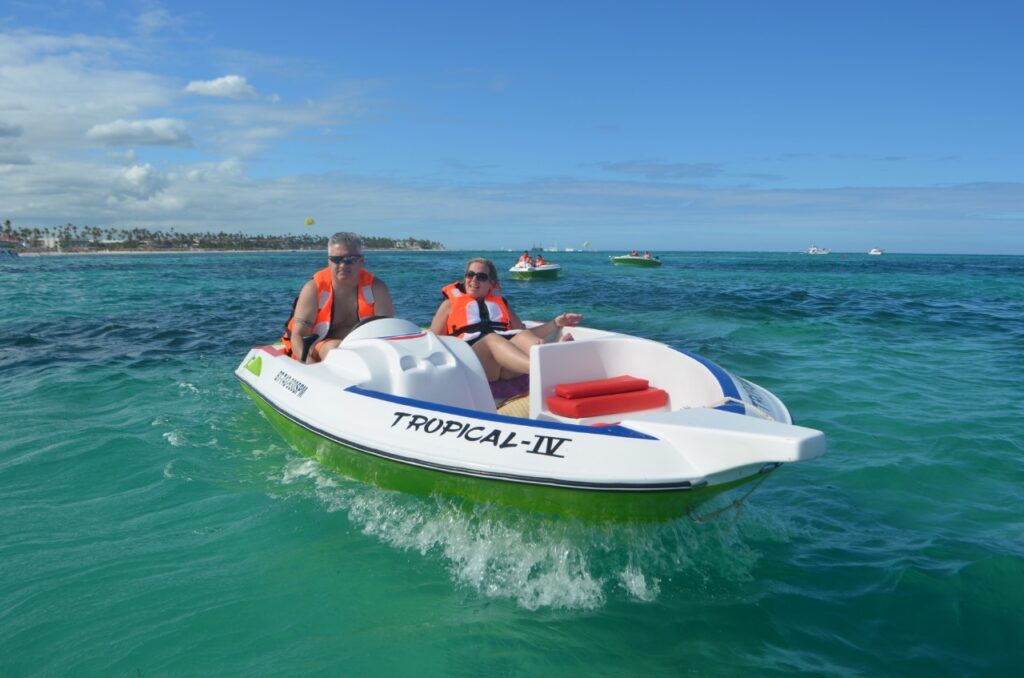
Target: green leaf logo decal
(255, 365)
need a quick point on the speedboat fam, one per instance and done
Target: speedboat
(814, 249)
(875, 251)
(635, 260)
(608, 426)
(525, 271)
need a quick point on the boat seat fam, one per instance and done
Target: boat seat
(395, 357)
(505, 389)
(596, 387)
(612, 395)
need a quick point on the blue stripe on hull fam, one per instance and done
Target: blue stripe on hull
(459, 471)
(613, 430)
(725, 382)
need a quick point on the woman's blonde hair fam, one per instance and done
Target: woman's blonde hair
(491, 270)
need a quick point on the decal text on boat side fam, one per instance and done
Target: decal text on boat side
(757, 395)
(475, 433)
(290, 383)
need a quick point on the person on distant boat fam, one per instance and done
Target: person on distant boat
(525, 258)
(647, 255)
(634, 254)
(334, 301)
(474, 310)
(540, 261)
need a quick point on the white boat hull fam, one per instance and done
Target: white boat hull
(415, 407)
(523, 271)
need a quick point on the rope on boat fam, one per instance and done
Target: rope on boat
(736, 503)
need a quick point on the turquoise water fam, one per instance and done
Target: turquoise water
(152, 523)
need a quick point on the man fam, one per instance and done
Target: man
(334, 301)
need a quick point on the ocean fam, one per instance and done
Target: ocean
(152, 523)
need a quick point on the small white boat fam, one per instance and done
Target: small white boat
(525, 271)
(814, 249)
(611, 426)
(874, 251)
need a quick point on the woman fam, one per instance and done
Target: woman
(475, 311)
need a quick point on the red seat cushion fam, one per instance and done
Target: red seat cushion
(597, 387)
(598, 405)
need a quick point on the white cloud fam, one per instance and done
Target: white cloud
(229, 86)
(247, 131)
(219, 195)
(53, 89)
(143, 181)
(14, 159)
(155, 20)
(155, 132)
(232, 167)
(128, 157)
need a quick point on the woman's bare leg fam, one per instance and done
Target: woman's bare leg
(535, 334)
(500, 358)
(524, 340)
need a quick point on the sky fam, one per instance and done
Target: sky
(654, 124)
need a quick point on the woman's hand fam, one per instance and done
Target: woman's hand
(568, 319)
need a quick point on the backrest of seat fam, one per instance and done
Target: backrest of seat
(687, 382)
(442, 370)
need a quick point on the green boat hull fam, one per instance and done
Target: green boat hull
(636, 261)
(394, 475)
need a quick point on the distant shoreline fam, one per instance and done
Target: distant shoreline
(91, 253)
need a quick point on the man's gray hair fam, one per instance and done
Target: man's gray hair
(346, 239)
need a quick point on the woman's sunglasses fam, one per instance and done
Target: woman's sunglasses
(345, 259)
(482, 277)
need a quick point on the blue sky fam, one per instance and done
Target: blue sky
(658, 125)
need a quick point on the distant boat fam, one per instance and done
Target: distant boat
(876, 251)
(635, 260)
(814, 249)
(525, 271)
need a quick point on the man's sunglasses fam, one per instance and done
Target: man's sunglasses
(482, 277)
(345, 259)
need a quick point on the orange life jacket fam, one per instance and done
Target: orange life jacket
(324, 280)
(470, 317)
